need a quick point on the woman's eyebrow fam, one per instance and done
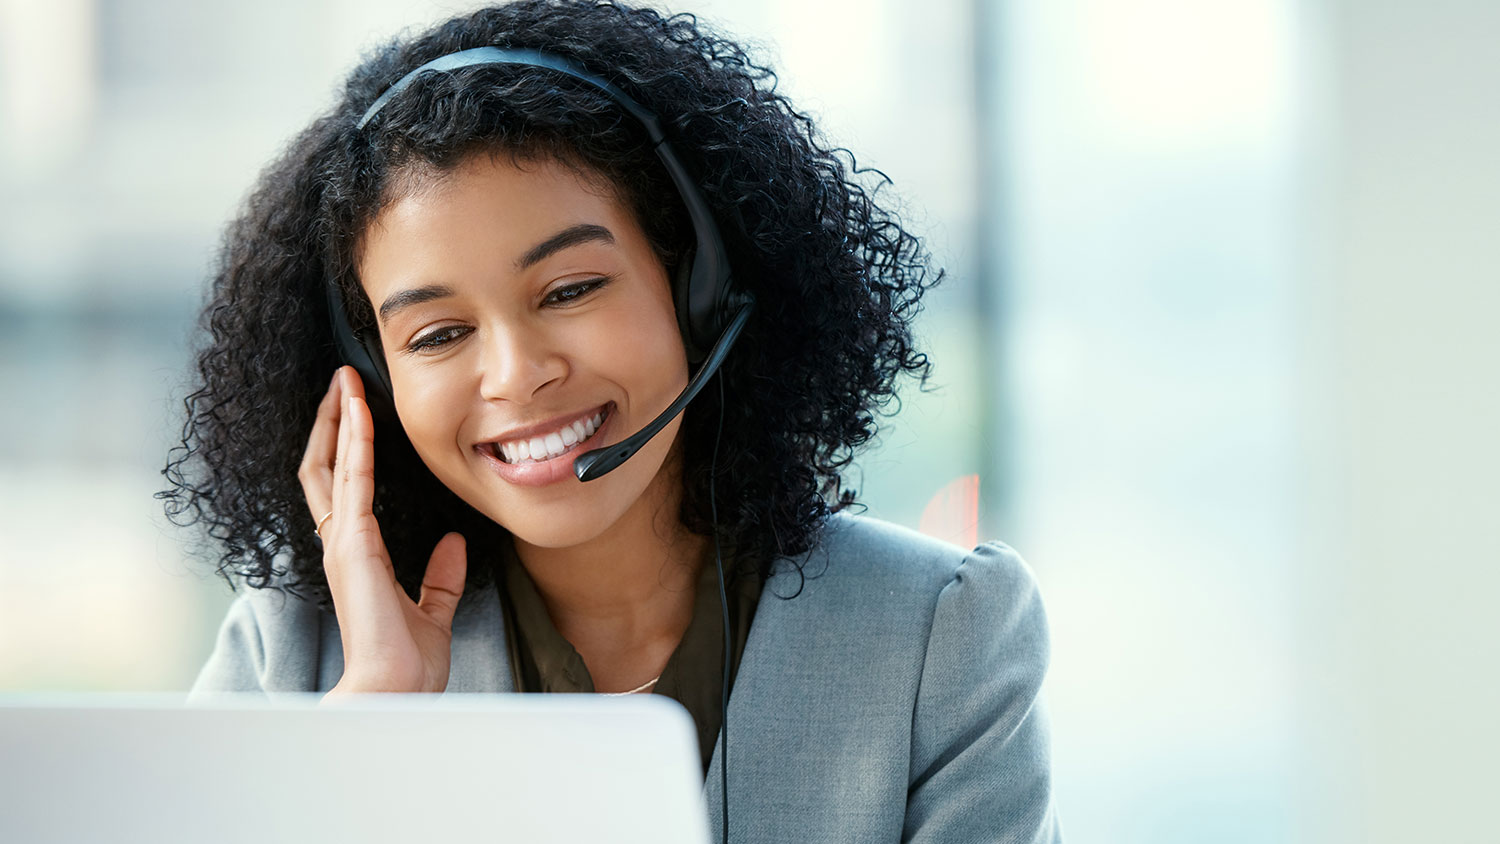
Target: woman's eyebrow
(570, 236)
(415, 296)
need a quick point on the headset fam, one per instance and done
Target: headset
(711, 309)
(711, 312)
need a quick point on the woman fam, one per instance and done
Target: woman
(536, 231)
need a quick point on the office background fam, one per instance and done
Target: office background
(1218, 341)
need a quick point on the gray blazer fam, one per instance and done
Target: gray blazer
(894, 698)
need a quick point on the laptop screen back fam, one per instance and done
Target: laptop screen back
(397, 768)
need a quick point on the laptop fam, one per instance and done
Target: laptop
(381, 768)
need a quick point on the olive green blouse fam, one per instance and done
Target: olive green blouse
(543, 661)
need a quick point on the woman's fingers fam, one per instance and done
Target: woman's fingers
(356, 461)
(354, 488)
(316, 471)
(443, 584)
(366, 596)
(389, 642)
(341, 459)
(350, 387)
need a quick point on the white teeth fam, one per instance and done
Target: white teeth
(552, 445)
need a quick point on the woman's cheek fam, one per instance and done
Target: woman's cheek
(656, 343)
(425, 403)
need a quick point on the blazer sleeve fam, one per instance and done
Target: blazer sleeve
(238, 660)
(269, 642)
(981, 757)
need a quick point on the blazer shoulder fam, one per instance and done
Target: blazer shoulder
(865, 568)
(270, 640)
(863, 547)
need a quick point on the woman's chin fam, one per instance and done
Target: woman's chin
(542, 534)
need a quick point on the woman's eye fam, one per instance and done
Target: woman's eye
(436, 339)
(574, 292)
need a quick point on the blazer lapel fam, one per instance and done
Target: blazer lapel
(480, 659)
(821, 711)
(786, 720)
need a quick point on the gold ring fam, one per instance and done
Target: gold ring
(319, 529)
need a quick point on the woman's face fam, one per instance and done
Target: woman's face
(525, 320)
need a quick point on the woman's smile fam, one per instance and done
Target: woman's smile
(544, 454)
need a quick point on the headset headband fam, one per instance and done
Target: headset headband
(520, 56)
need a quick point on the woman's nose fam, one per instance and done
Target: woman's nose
(517, 362)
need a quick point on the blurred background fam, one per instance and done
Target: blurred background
(1217, 341)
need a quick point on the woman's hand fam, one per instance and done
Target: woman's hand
(390, 643)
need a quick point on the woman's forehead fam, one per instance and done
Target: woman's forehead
(498, 201)
(420, 176)
(492, 217)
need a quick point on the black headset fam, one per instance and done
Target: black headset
(711, 309)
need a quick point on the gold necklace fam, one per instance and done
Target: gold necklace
(642, 687)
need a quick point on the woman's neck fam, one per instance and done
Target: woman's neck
(624, 598)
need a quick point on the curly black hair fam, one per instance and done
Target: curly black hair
(837, 277)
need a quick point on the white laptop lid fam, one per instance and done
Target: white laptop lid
(385, 768)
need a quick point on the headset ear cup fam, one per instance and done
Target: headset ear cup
(682, 286)
(377, 382)
(363, 353)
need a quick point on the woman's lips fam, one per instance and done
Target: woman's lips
(551, 471)
(546, 444)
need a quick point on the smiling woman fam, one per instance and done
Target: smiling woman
(494, 230)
